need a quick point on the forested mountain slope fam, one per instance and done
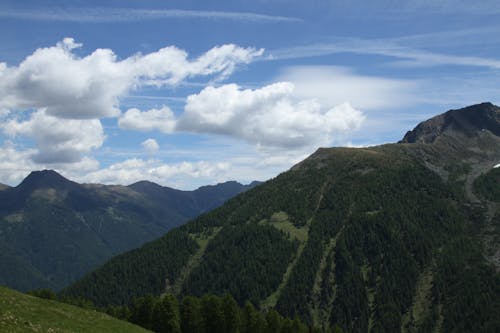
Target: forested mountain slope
(53, 230)
(393, 238)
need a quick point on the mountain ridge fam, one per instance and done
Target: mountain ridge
(380, 239)
(53, 230)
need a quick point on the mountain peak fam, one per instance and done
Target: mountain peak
(467, 121)
(44, 178)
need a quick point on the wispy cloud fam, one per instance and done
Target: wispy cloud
(386, 47)
(397, 10)
(99, 15)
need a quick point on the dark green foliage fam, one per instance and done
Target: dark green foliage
(274, 322)
(53, 231)
(262, 201)
(247, 261)
(295, 297)
(468, 289)
(21, 273)
(141, 311)
(488, 185)
(376, 219)
(139, 272)
(231, 312)
(211, 309)
(387, 215)
(208, 314)
(191, 316)
(350, 307)
(253, 320)
(78, 301)
(43, 293)
(166, 318)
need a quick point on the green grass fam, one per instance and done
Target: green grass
(281, 222)
(23, 313)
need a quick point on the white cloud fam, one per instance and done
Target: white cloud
(14, 164)
(155, 119)
(87, 87)
(333, 85)
(150, 145)
(133, 170)
(269, 116)
(4, 113)
(57, 140)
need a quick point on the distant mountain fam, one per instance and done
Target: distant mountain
(53, 230)
(23, 313)
(393, 238)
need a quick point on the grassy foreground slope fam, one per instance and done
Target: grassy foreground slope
(23, 313)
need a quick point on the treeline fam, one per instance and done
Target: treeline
(206, 314)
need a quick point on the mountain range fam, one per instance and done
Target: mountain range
(400, 237)
(53, 230)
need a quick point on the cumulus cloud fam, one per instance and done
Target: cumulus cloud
(133, 170)
(69, 86)
(16, 164)
(57, 140)
(269, 116)
(150, 145)
(155, 119)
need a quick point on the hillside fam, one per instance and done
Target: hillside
(382, 239)
(53, 230)
(23, 313)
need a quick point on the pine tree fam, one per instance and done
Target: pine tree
(231, 314)
(166, 318)
(191, 315)
(212, 314)
(142, 311)
(274, 321)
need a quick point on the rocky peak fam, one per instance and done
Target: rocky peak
(468, 122)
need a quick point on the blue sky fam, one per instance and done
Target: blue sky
(187, 93)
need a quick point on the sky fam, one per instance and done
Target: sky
(188, 93)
